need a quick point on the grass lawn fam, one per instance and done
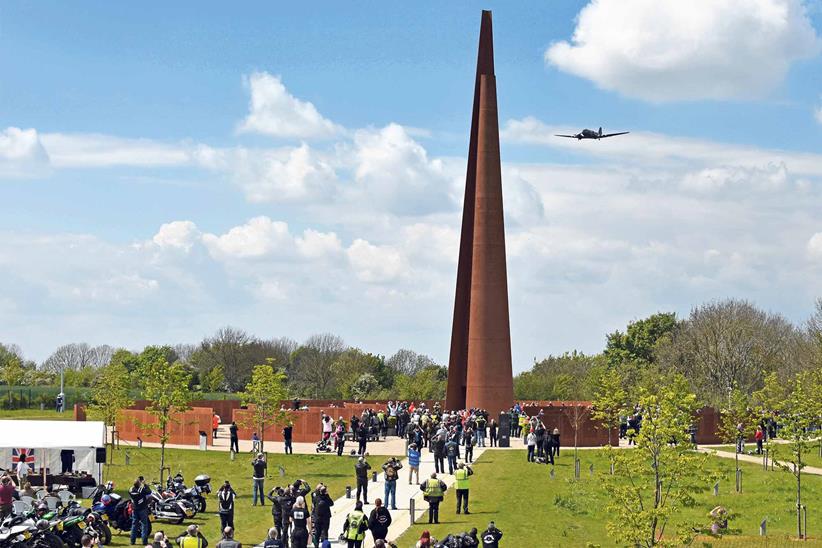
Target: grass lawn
(811, 459)
(532, 510)
(251, 523)
(36, 414)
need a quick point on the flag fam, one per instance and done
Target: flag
(25, 455)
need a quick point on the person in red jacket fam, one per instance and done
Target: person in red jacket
(758, 437)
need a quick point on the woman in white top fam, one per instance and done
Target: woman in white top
(531, 441)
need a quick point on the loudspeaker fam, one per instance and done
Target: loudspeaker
(504, 434)
(100, 455)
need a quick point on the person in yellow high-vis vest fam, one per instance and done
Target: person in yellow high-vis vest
(461, 477)
(434, 491)
(356, 524)
(194, 539)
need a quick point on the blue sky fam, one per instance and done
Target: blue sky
(145, 198)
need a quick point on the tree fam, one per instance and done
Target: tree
(641, 339)
(213, 380)
(801, 411)
(12, 373)
(110, 395)
(364, 386)
(265, 390)
(576, 413)
(428, 384)
(311, 368)
(565, 377)
(76, 356)
(610, 400)
(731, 343)
(350, 366)
(408, 362)
(736, 421)
(662, 473)
(166, 388)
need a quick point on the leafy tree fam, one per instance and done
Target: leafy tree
(126, 358)
(662, 473)
(565, 377)
(350, 366)
(265, 390)
(166, 387)
(427, 384)
(641, 339)
(311, 368)
(801, 411)
(364, 386)
(408, 362)
(610, 400)
(110, 395)
(12, 373)
(213, 380)
(736, 421)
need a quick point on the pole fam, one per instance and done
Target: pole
(63, 403)
(411, 510)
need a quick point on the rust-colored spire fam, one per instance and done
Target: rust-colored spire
(479, 368)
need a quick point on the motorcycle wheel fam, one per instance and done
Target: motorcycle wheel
(104, 531)
(179, 520)
(200, 504)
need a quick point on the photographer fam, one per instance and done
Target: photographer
(462, 483)
(260, 466)
(139, 493)
(321, 508)
(491, 536)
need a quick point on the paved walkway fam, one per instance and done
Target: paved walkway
(756, 459)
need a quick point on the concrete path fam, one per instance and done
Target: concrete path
(756, 459)
(400, 518)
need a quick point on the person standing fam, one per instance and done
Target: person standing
(235, 440)
(531, 442)
(462, 483)
(286, 502)
(300, 523)
(259, 465)
(276, 513)
(549, 447)
(452, 451)
(225, 503)
(469, 439)
(192, 538)
(492, 432)
(556, 442)
(758, 437)
(355, 527)
(7, 489)
(228, 539)
(438, 448)
(139, 493)
(288, 433)
(491, 536)
(322, 513)
(434, 491)
(413, 463)
(361, 472)
(379, 521)
(215, 425)
(362, 437)
(22, 467)
(481, 423)
(339, 437)
(391, 473)
(66, 461)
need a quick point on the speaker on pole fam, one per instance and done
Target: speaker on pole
(504, 434)
(100, 455)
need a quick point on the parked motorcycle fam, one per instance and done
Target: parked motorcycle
(195, 495)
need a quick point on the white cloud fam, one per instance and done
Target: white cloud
(314, 244)
(258, 237)
(81, 150)
(283, 175)
(395, 172)
(274, 111)
(815, 246)
(375, 264)
(21, 153)
(702, 49)
(177, 235)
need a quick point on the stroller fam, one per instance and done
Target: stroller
(323, 446)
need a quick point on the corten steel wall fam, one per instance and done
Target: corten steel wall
(221, 407)
(79, 412)
(559, 415)
(184, 429)
(707, 426)
(479, 367)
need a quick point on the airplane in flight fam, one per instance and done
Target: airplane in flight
(591, 134)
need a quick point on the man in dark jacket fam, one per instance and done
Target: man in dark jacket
(491, 536)
(235, 440)
(438, 448)
(321, 512)
(379, 521)
(361, 472)
(225, 503)
(286, 503)
(139, 493)
(362, 437)
(276, 513)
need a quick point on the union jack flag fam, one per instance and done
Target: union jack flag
(26, 455)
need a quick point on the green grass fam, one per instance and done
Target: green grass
(251, 523)
(36, 414)
(811, 459)
(533, 510)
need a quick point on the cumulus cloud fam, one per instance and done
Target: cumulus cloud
(377, 264)
(274, 111)
(703, 49)
(177, 235)
(395, 171)
(258, 237)
(21, 153)
(815, 246)
(283, 175)
(314, 244)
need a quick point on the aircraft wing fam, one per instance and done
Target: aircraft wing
(614, 134)
(571, 136)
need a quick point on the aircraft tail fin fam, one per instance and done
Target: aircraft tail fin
(600, 132)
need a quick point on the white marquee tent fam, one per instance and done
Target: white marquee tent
(48, 438)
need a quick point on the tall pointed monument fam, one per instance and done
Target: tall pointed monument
(479, 366)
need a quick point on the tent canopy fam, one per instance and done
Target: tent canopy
(52, 434)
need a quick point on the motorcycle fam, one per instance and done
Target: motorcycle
(194, 495)
(169, 509)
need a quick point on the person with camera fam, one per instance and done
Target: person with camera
(139, 494)
(321, 508)
(490, 537)
(391, 473)
(462, 483)
(361, 472)
(225, 502)
(434, 491)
